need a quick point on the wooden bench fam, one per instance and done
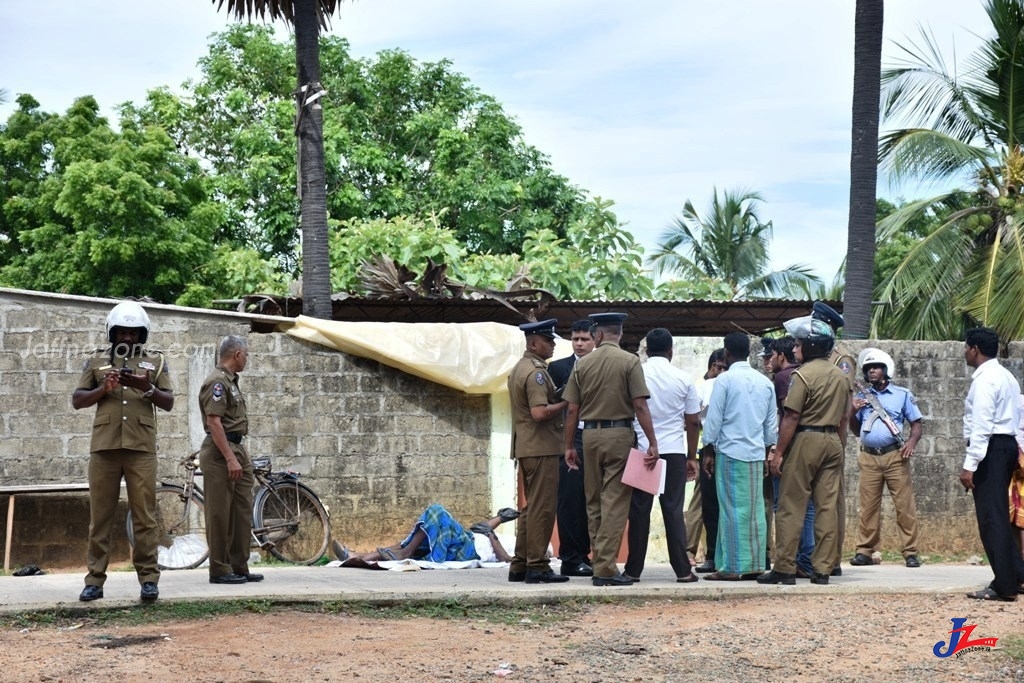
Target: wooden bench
(30, 489)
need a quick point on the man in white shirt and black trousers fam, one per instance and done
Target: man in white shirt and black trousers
(991, 416)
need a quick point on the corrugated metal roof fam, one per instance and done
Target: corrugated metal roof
(681, 318)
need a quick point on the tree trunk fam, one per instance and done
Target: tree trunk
(316, 270)
(860, 249)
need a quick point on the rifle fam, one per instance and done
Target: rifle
(887, 420)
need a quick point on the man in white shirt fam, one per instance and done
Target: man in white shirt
(991, 417)
(675, 412)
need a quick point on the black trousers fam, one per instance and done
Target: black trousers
(571, 512)
(671, 512)
(709, 511)
(991, 503)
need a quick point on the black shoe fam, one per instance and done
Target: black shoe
(252, 578)
(777, 577)
(573, 569)
(836, 571)
(913, 561)
(707, 566)
(228, 578)
(544, 577)
(617, 580)
(149, 592)
(516, 577)
(820, 579)
(90, 593)
(861, 560)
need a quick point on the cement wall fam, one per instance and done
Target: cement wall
(376, 444)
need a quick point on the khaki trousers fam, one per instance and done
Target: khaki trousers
(228, 508)
(606, 451)
(893, 472)
(694, 520)
(539, 476)
(106, 469)
(811, 469)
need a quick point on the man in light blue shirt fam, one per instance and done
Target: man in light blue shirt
(739, 429)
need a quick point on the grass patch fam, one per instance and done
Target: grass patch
(132, 616)
(499, 614)
(1014, 647)
(503, 614)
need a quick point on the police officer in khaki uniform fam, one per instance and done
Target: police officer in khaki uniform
(126, 385)
(844, 362)
(536, 444)
(808, 456)
(606, 391)
(227, 468)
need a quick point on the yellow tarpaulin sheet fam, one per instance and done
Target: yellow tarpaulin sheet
(472, 357)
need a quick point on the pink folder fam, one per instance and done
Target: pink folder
(639, 477)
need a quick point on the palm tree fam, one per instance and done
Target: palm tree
(860, 249)
(970, 268)
(730, 244)
(307, 16)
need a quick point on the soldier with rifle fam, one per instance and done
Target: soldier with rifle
(878, 414)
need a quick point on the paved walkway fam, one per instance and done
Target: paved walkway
(288, 584)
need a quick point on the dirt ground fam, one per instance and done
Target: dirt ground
(845, 638)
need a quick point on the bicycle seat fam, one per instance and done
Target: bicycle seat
(262, 464)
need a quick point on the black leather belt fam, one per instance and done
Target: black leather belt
(233, 437)
(606, 424)
(880, 451)
(813, 428)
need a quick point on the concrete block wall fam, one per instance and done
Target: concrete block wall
(376, 444)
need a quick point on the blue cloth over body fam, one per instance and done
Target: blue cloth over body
(446, 540)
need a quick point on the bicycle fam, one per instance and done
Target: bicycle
(288, 518)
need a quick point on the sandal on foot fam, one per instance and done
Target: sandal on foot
(482, 528)
(689, 578)
(508, 514)
(989, 594)
(721, 576)
(387, 554)
(340, 551)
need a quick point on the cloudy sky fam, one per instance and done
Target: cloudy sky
(648, 102)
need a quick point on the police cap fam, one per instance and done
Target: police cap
(545, 328)
(766, 347)
(828, 314)
(607, 318)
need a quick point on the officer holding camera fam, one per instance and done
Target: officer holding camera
(126, 384)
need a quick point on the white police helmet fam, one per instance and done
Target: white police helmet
(128, 314)
(816, 337)
(871, 356)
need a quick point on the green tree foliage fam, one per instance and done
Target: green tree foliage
(598, 260)
(88, 210)
(970, 268)
(401, 139)
(729, 244)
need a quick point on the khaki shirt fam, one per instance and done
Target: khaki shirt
(845, 363)
(125, 419)
(221, 396)
(529, 385)
(604, 383)
(819, 391)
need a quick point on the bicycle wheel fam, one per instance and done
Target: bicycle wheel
(290, 518)
(182, 528)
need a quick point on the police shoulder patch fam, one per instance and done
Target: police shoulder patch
(218, 391)
(845, 367)
(540, 378)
